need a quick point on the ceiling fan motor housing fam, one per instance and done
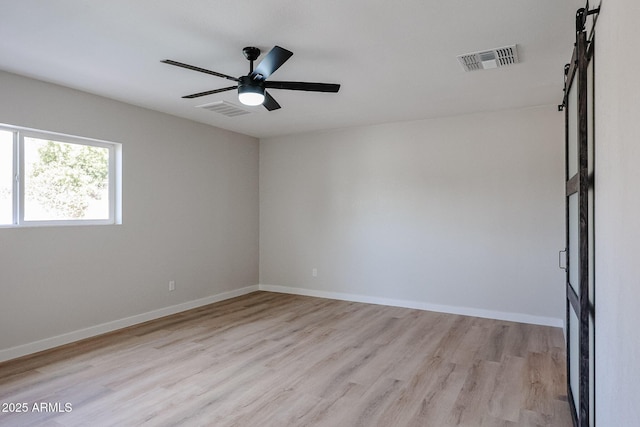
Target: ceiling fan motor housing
(248, 84)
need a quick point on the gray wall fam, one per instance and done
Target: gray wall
(462, 212)
(190, 214)
(617, 214)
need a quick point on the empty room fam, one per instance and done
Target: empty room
(296, 213)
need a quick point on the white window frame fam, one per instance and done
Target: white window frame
(114, 177)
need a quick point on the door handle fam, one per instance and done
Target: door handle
(560, 259)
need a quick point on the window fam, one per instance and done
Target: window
(53, 179)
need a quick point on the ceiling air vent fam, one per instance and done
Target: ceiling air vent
(494, 58)
(225, 108)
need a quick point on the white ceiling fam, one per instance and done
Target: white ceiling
(396, 60)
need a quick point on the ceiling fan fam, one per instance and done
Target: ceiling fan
(252, 87)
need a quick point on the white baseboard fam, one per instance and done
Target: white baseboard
(465, 311)
(47, 343)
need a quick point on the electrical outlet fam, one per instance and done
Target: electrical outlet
(172, 285)
(314, 272)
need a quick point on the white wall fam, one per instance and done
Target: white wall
(462, 212)
(617, 214)
(190, 214)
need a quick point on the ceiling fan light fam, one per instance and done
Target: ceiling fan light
(251, 98)
(250, 92)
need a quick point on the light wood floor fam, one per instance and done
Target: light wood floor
(268, 359)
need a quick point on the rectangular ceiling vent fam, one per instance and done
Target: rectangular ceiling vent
(486, 59)
(225, 108)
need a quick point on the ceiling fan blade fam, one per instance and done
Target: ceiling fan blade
(202, 70)
(210, 92)
(311, 87)
(270, 103)
(274, 59)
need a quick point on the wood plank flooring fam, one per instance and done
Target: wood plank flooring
(268, 359)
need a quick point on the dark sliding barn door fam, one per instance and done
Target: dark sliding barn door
(580, 266)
